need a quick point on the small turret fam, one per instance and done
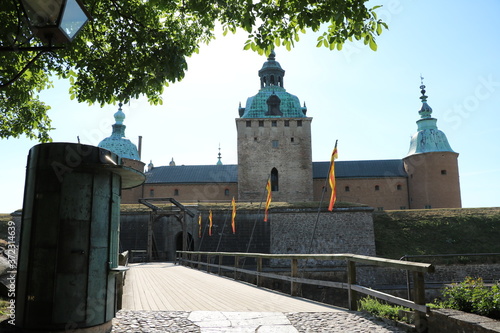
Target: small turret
(431, 165)
(117, 142)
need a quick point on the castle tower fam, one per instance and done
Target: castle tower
(431, 165)
(274, 141)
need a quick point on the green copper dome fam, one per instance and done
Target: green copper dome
(428, 137)
(117, 142)
(272, 100)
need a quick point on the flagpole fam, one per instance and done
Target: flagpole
(321, 202)
(222, 233)
(255, 222)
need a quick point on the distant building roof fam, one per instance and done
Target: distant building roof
(361, 169)
(193, 174)
(196, 174)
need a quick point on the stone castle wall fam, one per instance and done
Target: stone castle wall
(347, 230)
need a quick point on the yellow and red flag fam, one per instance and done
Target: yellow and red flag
(331, 178)
(199, 225)
(233, 216)
(210, 223)
(268, 200)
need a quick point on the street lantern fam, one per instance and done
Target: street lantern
(55, 21)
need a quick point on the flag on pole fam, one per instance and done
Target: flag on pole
(210, 223)
(331, 178)
(268, 200)
(199, 225)
(233, 216)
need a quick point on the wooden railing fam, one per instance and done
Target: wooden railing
(194, 258)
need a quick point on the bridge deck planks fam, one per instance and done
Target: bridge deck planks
(167, 287)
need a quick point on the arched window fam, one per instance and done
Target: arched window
(176, 192)
(226, 192)
(274, 180)
(377, 187)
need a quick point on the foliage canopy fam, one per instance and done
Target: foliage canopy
(136, 47)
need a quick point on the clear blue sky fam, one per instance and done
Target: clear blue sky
(367, 100)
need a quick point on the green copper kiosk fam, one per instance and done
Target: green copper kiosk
(68, 256)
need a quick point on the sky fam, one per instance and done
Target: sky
(368, 101)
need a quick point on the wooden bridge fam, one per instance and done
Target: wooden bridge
(169, 287)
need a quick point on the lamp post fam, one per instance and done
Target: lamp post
(55, 21)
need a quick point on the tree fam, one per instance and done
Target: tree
(136, 47)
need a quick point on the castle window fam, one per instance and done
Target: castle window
(443, 172)
(287, 123)
(176, 192)
(402, 207)
(226, 192)
(428, 206)
(274, 180)
(261, 123)
(151, 193)
(299, 123)
(292, 140)
(399, 187)
(274, 123)
(377, 188)
(347, 189)
(275, 143)
(254, 138)
(249, 123)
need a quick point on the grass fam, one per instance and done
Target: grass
(3, 307)
(4, 220)
(437, 231)
(384, 310)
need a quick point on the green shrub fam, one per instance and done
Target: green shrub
(378, 309)
(473, 296)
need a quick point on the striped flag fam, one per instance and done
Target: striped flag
(199, 225)
(210, 223)
(268, 200)
(233, 216)
(331, 178)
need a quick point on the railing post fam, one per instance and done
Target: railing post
(208, 263)
(259, 270)
(198, 261)
(220, 263)
(351, 279)
(294, 286)
(421, 324)
(236, 266)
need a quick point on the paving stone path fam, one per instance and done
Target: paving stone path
(247, 322)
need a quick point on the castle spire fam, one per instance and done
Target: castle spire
(425, 110)
(428, 137)
(219, 162)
